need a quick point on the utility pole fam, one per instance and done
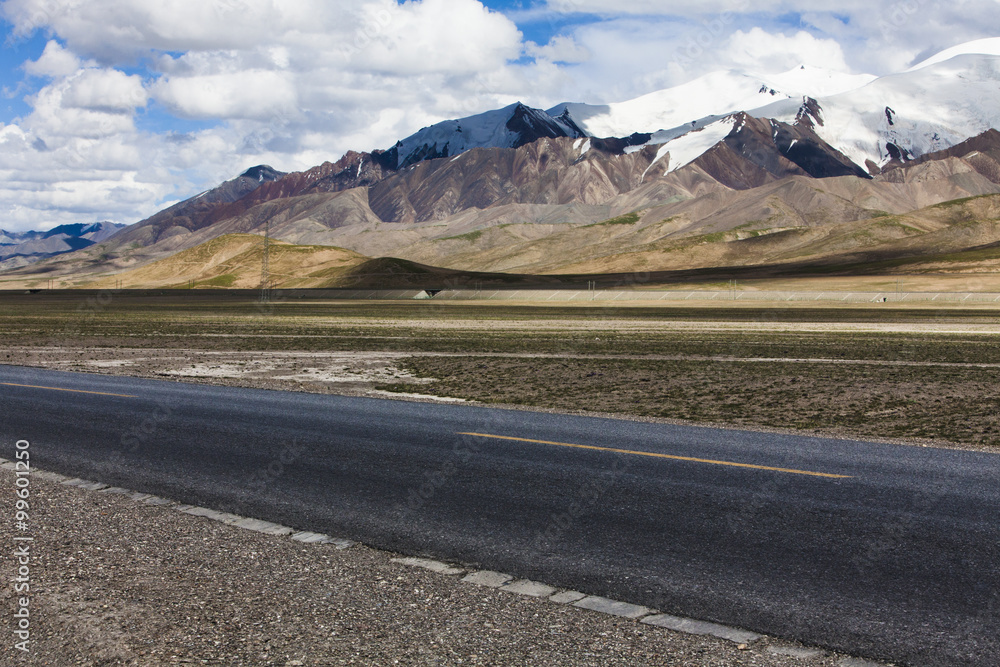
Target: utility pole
(265, 277)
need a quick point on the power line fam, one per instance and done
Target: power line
(265, 275)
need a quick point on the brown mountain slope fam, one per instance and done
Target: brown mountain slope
(982, 152)
(959, 236)
(758, 151)
(549, 171)
(558, 182)
(968, 229)
(234, 260)
(546, 172)
(504, 244)
(195, 213)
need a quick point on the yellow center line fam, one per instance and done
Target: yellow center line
(75, 391)
(662, 456)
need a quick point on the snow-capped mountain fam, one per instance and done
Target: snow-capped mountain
(873, 121)
(739, 129)
(931, 107)
(705, 99)
(511, 127)
(692, 105)
(903, 116)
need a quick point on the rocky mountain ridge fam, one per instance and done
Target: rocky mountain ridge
(19, 249)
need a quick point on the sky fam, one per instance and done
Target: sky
(114, 109)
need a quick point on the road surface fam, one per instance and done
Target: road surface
(880, 550)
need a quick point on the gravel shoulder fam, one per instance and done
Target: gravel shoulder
(118, 582)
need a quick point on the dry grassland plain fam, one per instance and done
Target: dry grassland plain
(919, 375)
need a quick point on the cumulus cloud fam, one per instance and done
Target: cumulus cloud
(560, 49)
(437, 36)
(258, 94)
(55, 61)
(92, 103)
(112, 30)
(105, 90)
(775, 53)
(689, 7)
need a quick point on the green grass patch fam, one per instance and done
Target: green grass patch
(627, 219)
(959, 202)
(714, 237)
(225, 280)
(895, 223)
(471, 237)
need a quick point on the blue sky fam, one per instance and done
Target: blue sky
(14, 53)
(113, 109)
(539, 23)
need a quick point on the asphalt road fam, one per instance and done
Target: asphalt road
(879, 550)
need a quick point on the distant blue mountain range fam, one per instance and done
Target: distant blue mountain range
(23, 248)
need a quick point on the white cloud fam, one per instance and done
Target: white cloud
(55, 61)
(437, 36)
(110, 30)
(75, 179)
(560, 49)
(879, 37)
(258, 94)
(706, 7)
(768, 52)
(104, 90)
(76, 106)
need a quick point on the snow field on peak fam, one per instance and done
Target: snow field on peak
(699, 102)
(483, 130)
(486, 130)
(921, 111)
(689, 147)
(712, 94)
(808, 81)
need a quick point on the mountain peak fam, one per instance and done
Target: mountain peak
(262, 173)
(510, 127)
